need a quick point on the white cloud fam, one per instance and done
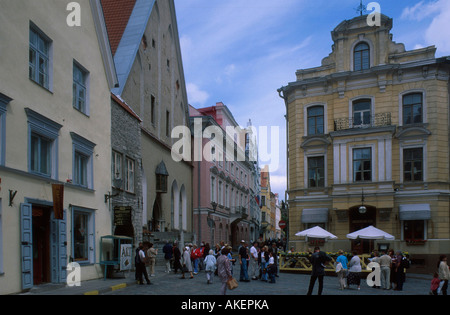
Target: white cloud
(436, 32)
(195, 95)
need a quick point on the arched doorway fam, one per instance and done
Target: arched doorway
(359, 220)
(156, 217)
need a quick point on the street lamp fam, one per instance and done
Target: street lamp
(362, 209)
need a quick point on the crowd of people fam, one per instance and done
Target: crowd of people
(392, 271)
(260, 262)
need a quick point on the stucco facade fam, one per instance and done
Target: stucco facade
(51, 135)
(371, 126)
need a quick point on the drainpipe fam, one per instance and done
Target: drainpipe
(283, 96)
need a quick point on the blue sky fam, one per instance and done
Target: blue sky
(240, 52)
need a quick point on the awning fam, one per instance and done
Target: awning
(415, 212)
(318, 215)
(370, 233)
(316, 232)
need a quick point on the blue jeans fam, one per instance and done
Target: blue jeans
(196, 265)
(263, 273)
(244, 272)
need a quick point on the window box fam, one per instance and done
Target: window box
(415, 242)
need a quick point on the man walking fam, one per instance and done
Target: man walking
(318, 260)
(243, 260)
(254, 270)
(385, 262)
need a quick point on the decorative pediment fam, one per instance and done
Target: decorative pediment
(414, 131)
(315, 141)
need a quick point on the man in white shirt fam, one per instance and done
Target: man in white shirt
(254, 269)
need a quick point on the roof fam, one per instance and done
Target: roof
(117, 15)
(125, 106)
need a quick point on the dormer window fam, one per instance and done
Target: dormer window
(361, 57)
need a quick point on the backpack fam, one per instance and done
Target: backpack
(405, 263)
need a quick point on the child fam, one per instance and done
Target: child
(435, 284)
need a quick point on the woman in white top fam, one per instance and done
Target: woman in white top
(444, 273)
(210, 266)
(354, 270)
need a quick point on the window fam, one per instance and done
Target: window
(263, 201)
(414, 230)
(152, 109)
(80, 88)
(40, 155)
(129, 179)
(361, 113)
(83, 171)
(80, 169)
(362, 164)
(167, 123)
(43, 145)
(316, 172)
(4, 101)
(227, 200)
(315, 120)
(83, 235)
(117, 169)
(413, 164)
(213, 189)
(39, 57)
(220, 201)
(412, 109)
(361, 57)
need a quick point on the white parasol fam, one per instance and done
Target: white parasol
(370, 233)
(316, 232)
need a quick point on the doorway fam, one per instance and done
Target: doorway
(41, 245)
(359, 221)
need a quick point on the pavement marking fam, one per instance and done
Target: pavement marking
(118, 286)
(95, 292)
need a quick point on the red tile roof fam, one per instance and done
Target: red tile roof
(116, 13)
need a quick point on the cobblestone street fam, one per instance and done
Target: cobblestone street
(286, 284)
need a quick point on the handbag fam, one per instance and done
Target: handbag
(338, 267)
(232, 284)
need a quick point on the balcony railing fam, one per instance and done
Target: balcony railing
(377, 120)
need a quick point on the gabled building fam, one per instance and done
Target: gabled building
(369, 144)
(145, 44)
(55, 141)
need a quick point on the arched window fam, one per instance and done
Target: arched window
(361, 57)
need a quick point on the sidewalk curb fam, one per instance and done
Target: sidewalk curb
(110, 288)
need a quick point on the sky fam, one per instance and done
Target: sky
(240, 52)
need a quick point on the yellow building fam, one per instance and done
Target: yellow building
(370, 126)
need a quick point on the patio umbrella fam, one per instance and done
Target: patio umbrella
(316, 232)
(370, 233)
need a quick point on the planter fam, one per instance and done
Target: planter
(412, 242)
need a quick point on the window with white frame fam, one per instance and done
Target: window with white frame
(83, 169)
(362, 112)
(362, 164)
(80, 89)
(39, 57)
(213, 189)
(220, 199)
(129, 175)
(83, 235)
(117, 167)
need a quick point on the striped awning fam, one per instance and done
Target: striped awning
(415, 212)
(318, 215)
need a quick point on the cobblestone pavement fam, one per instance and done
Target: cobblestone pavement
(286, 284)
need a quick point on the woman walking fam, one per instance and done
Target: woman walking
(343, 268)
(224, 270)
(187, 265)
(444, 273)
(354, 270)
(210, 266)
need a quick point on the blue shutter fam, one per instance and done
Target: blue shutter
(26, 225)
(58, 245)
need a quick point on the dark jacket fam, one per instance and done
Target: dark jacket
(167, 250)
(318, 261)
